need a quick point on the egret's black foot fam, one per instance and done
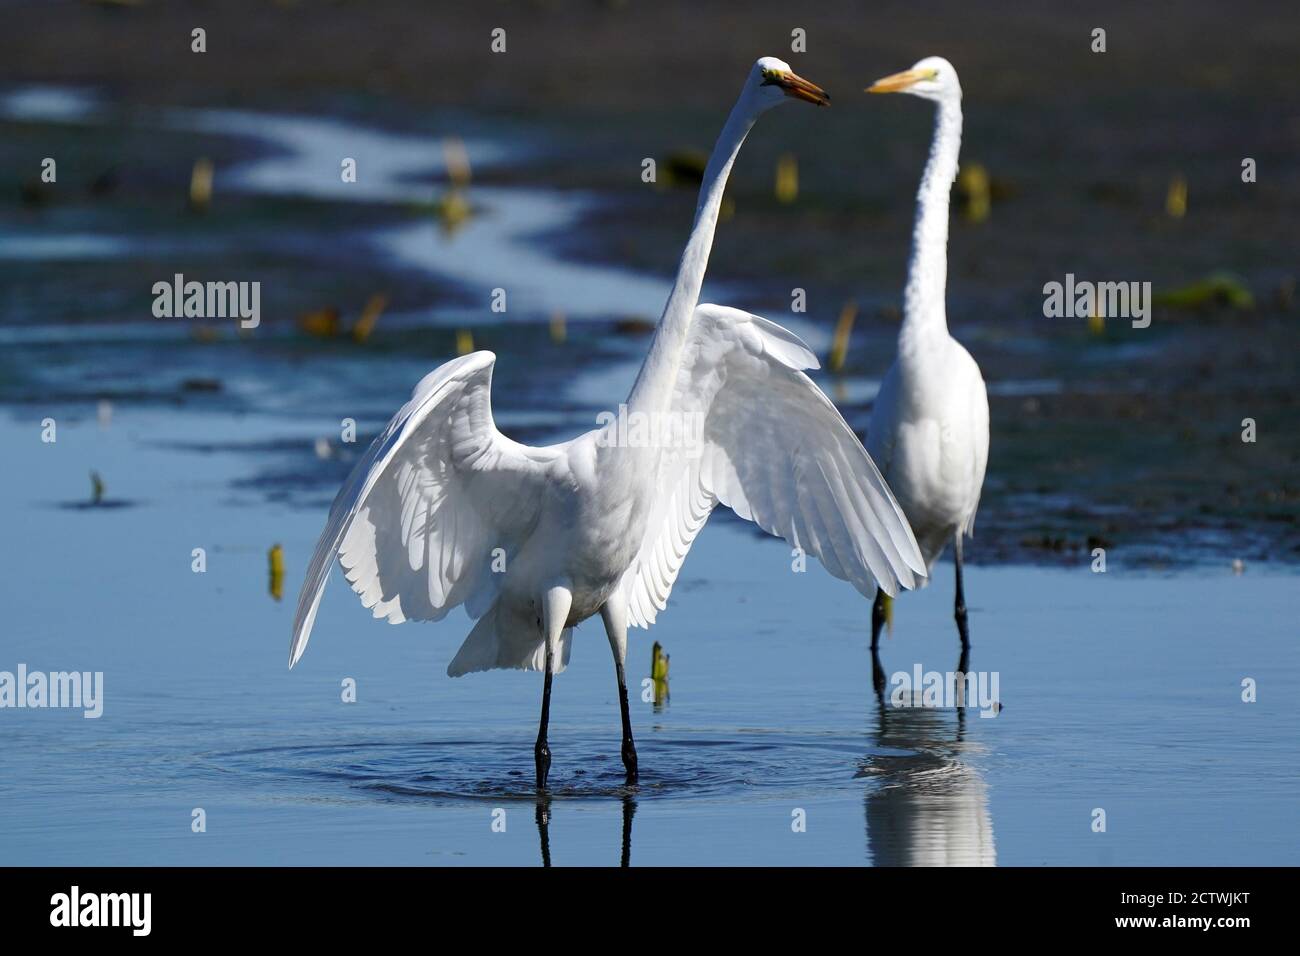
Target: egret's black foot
(629, 760)
(542, 754)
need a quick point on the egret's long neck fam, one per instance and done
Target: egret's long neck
(924, 316)
(654, 384)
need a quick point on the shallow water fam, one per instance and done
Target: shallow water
(1121, 691)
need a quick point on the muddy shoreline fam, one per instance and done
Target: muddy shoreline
(1123, 438)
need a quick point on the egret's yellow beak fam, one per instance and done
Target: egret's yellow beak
(901, 81)
(792, 84)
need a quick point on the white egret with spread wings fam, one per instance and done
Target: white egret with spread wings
(601, 524)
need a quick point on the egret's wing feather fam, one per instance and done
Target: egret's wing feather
(776, 451)
(418, 522)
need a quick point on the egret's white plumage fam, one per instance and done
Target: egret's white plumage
(777, 452)
(929, 428)
(443, 501)
(416, 524)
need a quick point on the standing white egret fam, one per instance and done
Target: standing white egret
(442, 502)
(929, 429)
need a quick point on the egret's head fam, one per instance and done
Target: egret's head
(932, 78)
(772, 82)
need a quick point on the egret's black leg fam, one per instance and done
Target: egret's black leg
(963, 663)
(963, 666)
(542, 752)
(959, 606)
(556, 603)
(614, 614)
(877, 618)
(629, 747)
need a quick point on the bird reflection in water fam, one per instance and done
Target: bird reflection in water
(543, 818)
(928, 807)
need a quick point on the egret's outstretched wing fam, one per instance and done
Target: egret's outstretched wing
(776, 451)
(417, 523)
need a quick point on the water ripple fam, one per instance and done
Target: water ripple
(699, 765)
